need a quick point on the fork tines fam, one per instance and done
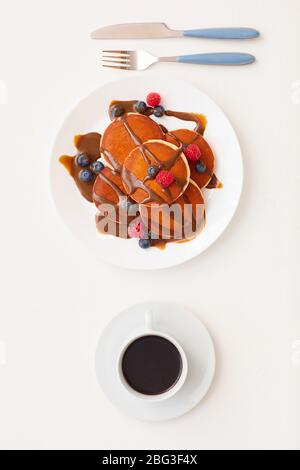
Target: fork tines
(115, 59)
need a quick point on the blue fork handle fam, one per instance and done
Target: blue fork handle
(218, 58)
(222, 33)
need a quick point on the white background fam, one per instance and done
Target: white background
(55, 299)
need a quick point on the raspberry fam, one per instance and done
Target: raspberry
(192, 152)
(153, 99)
(165, 178)
(137, 230)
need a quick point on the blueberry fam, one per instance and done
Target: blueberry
(117, 110)
(144, 243)
(158, 111)
(200, 167)
(152, 171)
(86, 176)
(140, 107)
(82, 160)
(125, 203)
(97, 167)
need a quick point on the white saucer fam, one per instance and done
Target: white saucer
(170, 319)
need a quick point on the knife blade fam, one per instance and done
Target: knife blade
(135, 31)
(161, 30)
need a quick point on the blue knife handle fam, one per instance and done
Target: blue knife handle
(222, 33)
(218, 58)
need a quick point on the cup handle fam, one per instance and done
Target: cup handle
(148, 320)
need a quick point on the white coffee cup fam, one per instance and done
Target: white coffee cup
(149, 330)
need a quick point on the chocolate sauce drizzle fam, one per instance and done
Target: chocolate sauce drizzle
(133, 183)
(200, 128)
(113, 186)
(114, 163)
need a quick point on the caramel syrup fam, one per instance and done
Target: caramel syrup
(88, 144)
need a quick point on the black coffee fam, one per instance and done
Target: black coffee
(151, 365)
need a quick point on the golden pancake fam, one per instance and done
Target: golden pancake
(110, 197)
(186, 137)
(183, 220)
(162, 156)
(124, 133)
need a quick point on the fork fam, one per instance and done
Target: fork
(141, 60)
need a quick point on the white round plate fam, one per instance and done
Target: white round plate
(169, 319)
(90, 114)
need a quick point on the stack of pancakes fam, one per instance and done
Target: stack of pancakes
(135, 149)
(130, 145)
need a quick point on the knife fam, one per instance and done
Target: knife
(161, 30)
